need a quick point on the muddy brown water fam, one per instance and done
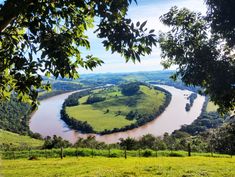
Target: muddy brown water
(46, 120)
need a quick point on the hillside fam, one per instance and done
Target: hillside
(16, 140)
(101, 79)
(108, 109)
(14, 116)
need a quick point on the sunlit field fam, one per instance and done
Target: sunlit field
(119, 167)
(148, 102)
(17, 140)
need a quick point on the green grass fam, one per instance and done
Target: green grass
(17, 140)
(120, 167)
(96, 118)
(86, 152)
(147, 100)
(211, 107)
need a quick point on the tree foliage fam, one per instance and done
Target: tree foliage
(90, 142)
(94, 98)
(128, 143)
(223, 139)
(14, 116)
(131, 88)
(47, 36)
(55, 142)
(203, 49)
(221, 15)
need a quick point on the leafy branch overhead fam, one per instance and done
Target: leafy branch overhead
(202, 48)
(46, 36)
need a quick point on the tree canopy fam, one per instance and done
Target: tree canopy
(203, 49)
(131, 88)
(47, 35)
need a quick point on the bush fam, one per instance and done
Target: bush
(33, 158)
(113, 154)
(81, 153)
(147, 153)
(130, 88)
(175, 154)
(95, 98)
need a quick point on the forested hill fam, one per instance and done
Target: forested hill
(14, 116)
(94, 80)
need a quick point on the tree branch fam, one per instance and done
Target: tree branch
(10, 10)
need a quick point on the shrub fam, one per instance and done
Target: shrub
(147, 153)
(33, 158)
(175, 154)
(130, 88)
(95, 98)
(113, 154)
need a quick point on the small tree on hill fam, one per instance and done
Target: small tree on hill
(130, 89)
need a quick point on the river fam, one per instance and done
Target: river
(46, 120)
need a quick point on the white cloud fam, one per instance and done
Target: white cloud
(145, 10)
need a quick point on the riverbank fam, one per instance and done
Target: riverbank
(47, 122)
(116, 112)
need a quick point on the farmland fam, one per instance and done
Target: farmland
(111, 113)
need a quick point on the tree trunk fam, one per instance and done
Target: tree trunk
(189, 149)
(61, 153)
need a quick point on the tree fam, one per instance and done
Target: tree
(55, 142)
(130, 89)
(148, 142)
(169, 141)
(94, 98)
(128, 143)
(223, 139)
(46, 36)
(203, 49)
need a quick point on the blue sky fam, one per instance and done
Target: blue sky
(149, 10)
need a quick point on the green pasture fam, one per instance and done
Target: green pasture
(120, 167)
(17, 140)
(211, 107)
(147, 101)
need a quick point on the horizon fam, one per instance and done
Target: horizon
(116, 73)
(129, 72)
(145, 10)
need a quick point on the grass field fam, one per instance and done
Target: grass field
(211, 107)
(147, 101)
(87, 152)
(17, 140)
(120, 167)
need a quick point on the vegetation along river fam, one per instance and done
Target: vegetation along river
(46, 120)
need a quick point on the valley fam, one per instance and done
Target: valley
(156, 127)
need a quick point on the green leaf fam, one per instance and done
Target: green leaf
(138, 24)
(142, 25)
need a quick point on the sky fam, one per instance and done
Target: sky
(149, 10)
